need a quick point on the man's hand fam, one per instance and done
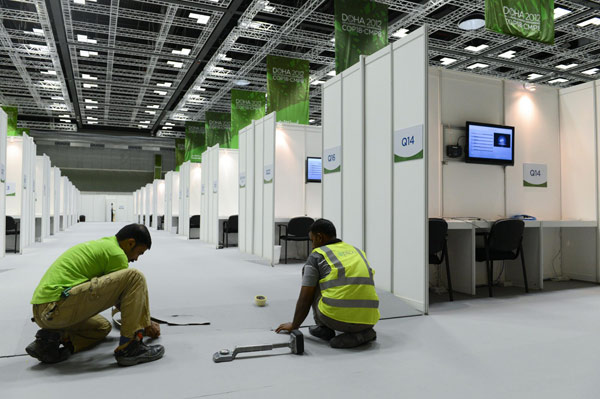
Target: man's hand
(153, 330)
(285, 327)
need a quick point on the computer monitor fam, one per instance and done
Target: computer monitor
(313, 170)
(490, 144)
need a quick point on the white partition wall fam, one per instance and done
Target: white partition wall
(168, 201)
(63, 202)
(195, 183)
(282, 188)
(376, 194)
(42, 198)
(184, 199)
(175, 203)
(148, 204)
(18, 186)
(31, 172)
(220, 186)
(3, 129)
(158, 201)
(54, 200)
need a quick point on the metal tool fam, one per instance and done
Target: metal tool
(296, 344)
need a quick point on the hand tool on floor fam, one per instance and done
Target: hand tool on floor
(296, 344)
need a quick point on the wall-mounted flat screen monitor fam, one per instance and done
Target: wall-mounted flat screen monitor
(313, 170)
(490, 144)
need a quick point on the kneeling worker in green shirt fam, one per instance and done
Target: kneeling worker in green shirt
(337, 282)
(84, 281)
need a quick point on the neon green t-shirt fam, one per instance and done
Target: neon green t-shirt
(78, 265)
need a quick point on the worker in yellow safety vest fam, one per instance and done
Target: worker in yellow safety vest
(337, 281)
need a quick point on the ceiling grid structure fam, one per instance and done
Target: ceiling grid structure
(144, 67)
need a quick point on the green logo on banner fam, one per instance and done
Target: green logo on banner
(157, 166)
(218, 129)
(179, 153)
(195, 141)
(246, 106)
(11, 113)
(530, 19)
(361, 27)
(287, 89)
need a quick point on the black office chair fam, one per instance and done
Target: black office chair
(230, 226)
(296, 230)
(438, 247)
(503, 242)
(195, 222)
(82, 218)
(12, 228)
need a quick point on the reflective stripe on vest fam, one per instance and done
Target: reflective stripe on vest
(348, 291)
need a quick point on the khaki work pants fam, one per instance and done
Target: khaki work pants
(77, 315)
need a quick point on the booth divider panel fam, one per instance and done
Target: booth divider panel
(3, 129)
(313, 193)
(269, 187)
(242, 190)
(333, 125)
(378, 165)
(195, 188)
(289, 184)
(352, 230)
(168, 201)
(410, 74)
(204, 196)
(258, 188)
(214, 183)
(578, 153)
(250, 187)
(228, 173)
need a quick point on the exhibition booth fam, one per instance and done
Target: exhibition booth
(148, 201)
(219, 191)
(20, 163)
(279, 179)
(172, 201)
(158, 204)
(42, 197)
(190, 186)
(55, 179)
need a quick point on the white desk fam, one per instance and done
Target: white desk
(579, 252)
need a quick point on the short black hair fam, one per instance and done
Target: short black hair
(138, 232)
(324, 227)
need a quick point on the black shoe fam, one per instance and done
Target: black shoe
(322, 332)
(352, 340)
(46, 347)
(138, 352)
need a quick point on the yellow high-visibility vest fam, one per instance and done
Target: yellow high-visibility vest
(348, 291)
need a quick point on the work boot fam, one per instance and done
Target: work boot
(352, 340)
(136, 351)
(46, 347)
(325, 333)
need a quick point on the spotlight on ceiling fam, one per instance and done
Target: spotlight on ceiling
(529, 86)
(242, 82)
(472, 21)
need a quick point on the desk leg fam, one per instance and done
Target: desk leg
(532, 239)
(461, 251)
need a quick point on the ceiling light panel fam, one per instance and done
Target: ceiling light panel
(591, 21)
(200, 18)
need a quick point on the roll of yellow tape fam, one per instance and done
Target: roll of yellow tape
(260, 300)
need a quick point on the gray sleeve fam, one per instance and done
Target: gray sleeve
(310, 272)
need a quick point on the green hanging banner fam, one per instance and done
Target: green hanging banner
(218, 129)
(287, 89)
(529, 19)
(157, 166)
(12, 113)
(195, 141)
(179, 153)
(246, 106)
(361, 28)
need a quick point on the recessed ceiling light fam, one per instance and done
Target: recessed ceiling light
(241, 82)
(508, 54)
(167, 127)
(472, 21)
(447, 61)
(160, 93)
(48, 72)
(87, 100)
(198, 88)
(143, 126)
(66, 120)
(175, 64)
(400, 33)
(331, 73)
(533, 76)
(153, 106)
(89, 77)
(564, 67)
(184, 109)
(91, 107)
(165, 84)
(200, 18)
(311, 121)
(592, 71)
(558, 80)
(317, 82)
(478, 65)
(150, 112)
(183, 51)
(560, 12)
(591, 21)
(92, 123)
(61, 98)
(476, 49)
(87, 53)
(82, 2)
(91, 118)
(169, 124)
(89, 85)
(51, 82)
(84, 39)
(64, 116)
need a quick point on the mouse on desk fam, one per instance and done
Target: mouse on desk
(523, 217)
